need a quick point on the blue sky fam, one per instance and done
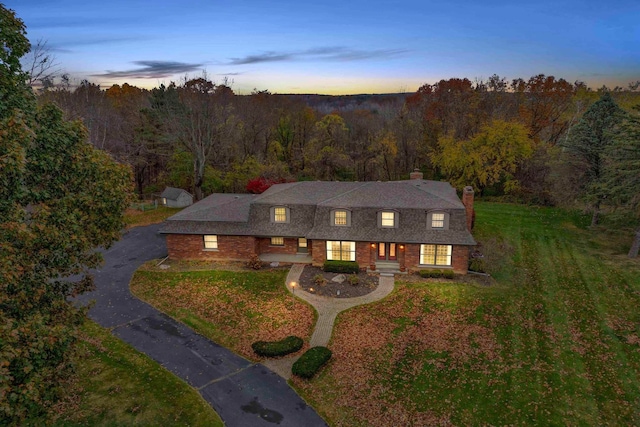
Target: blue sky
(336, 47)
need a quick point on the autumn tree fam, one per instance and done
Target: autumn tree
(138, 143)
(88, 102)
(300, 122)
(496, 98)
(60, 198)
(386, 150)
(586, 145)
(489, 158)
(326, 154)
(257, 113)
(364, 127)
(449, 107)
(543, 103)
(199, 118)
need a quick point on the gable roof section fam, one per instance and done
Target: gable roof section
(305, 192)
(216, 214)
(173, 193)
(398, 195)
(219, 207)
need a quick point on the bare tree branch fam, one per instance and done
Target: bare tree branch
(41, 65)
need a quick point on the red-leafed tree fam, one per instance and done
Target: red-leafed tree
(258, 185)
(261, 184)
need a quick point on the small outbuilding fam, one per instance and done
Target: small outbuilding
(176, 198)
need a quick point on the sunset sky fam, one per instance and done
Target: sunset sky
(337, 47)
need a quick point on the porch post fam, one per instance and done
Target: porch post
(372, 257)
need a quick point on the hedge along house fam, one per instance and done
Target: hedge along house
(176, 198)
(390, 226)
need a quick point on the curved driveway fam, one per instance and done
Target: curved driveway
(242, 392)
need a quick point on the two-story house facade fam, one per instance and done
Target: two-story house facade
(398, 225)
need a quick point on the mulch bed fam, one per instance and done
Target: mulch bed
(366, 284)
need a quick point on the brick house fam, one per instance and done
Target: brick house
(397, 226)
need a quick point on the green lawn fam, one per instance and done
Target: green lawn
(556, 341)
(117, 385)
(233, 308)
(135, 218)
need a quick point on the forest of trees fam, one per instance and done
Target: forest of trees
(504, 138)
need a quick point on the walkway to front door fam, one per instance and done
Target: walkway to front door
(327, 308)
(387, 251)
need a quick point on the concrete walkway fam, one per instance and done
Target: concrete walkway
(328, 309)
(243, 393)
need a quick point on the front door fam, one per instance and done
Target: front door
(302, 245)
(387, 251)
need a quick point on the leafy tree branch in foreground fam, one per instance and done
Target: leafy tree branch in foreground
(59, 199)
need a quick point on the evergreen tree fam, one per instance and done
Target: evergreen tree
(587, 142)
(59, 199)
(622, 177)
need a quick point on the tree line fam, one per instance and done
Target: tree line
(504, 138)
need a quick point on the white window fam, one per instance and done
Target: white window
(437, 220)
(340, 218)
(341, 251)
(387, 219)
(277, 241)
(280, 214)
(211, 242)
(164, 200)
(435, 254)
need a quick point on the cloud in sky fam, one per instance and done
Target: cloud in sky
(328, 53)
(73, 22)
(152, 70)
(67, 46)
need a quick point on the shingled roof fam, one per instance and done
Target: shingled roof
(310, 204)
(173, 193)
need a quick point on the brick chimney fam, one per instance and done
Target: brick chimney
(467, 201)
(416, 174)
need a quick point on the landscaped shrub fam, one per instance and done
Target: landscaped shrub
(341, 267)
(446, 274)
(319, 280)
(311, 362)
(254, 262)
(290, 344)
(353, 279)
(477, 264)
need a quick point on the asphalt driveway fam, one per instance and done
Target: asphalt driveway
(242, 392)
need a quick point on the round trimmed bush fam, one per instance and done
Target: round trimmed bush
(290, 344)
(311, 362)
